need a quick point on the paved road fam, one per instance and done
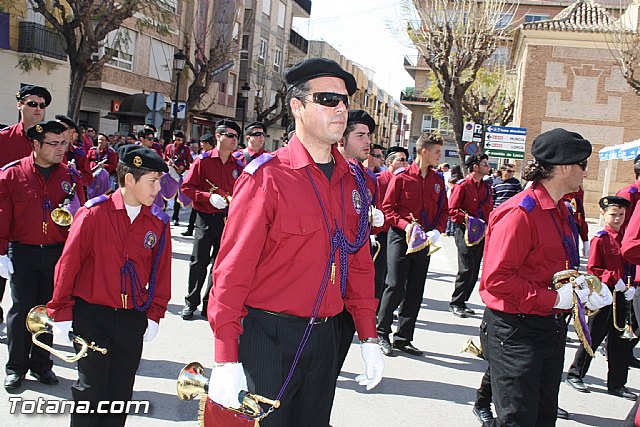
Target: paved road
(436, 389)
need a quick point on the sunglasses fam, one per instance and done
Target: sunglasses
(330, 99)
(34, 104)
(583, 165)
(400, 159)
(378, 156)
(56, 144)
(509, 171)
(256, 134)
(229, 134)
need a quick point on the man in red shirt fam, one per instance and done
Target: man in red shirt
(102, 161)
(113, 283)
(145, 137)
(280, 276)
(529, 239)
(418, 193)
(31, 243)
(470, 201)
(255, 134)
(76, 151)
(631, 192)
(178, 155)
(211, 168)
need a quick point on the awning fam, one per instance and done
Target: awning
(626, 151)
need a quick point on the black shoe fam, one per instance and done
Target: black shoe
(562, 414)
(469, 311)
(407, 347)
(634, 363)
(187, 312)
(203, 313)
(623, 392)
(46, 377)
(578, 384)
(13, 381)
(484, 415)
(458, 311)
(176, 223)
(385, 345)
(187, 233)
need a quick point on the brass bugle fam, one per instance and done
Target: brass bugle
(99, 165)
(627, 329)
(192, 383)
(38, 322)
(378, 246)
(61, 215)
(471, 347)
(226, 197)
(433, 247)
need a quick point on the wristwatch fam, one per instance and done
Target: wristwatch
(373, 340)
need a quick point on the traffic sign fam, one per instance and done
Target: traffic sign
(471, 148)
(155, 101)
(472, 132)
(504, 154)
(182, 109)
(505, 141)
(153, 118)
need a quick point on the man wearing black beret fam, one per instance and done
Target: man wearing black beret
(279, 275)
(529, 239)
(76, 154)
(178, 156)
(469, 207)
(255, 136)
(113, 283)
(31, 242)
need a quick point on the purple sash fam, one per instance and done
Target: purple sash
(100, 184)
(474, 230)
(169, 186)
(417, 238)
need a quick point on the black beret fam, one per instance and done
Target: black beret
(255, 125)
(607, 201)
(319, 67)
(560, 147)
(137, 156)
(67, 121)
(398, 149)
(144, 132)
(469, 161)
(207, 137)
(178, 134)
(361, 116)
(34, 90)
(228, 124)
(131, 135)
(150, 126)
(38, 130)
(636, 159)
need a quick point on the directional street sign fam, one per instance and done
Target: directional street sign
(505, 142)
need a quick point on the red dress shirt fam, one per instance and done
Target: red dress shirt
(605, 257)
(411, 194)
(23, 191)
(275, 248)
(181, 156)
(209, 166)
(631, 242)
(101, 239)
(578, 212)
(96, 156)
(470, 197)
(77, 153)
(14, 144)
(632, 194)
(242, 154)
(523, 250)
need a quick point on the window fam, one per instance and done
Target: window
(121, 45)
(266, 7)
(504, 20)
(262, 54)
(431, 124)
(33, 16)
(277, 60)
(170, 5)
(161, 61)
(236, 31)
(231, 83)
(535, 18)
(282, 9)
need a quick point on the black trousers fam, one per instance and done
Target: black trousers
(619, 351)
(106, 377)
(267, 348)
(3, 284)
(176, 209)
(380, 264)
(526, 355)
(206, 243)
(31, 285)
(483, 394)
(192, 220)
(406, 275)
(469, 260)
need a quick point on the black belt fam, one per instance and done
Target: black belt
(51, 246)
(317, 320)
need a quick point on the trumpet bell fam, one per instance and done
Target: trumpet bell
(470, 347)
(628, 334)
(62, 217)
(433, 247)
(192, 382)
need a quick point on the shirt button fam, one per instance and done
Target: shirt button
(474, 199)
(304, 230)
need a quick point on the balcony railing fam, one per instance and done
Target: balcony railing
(298, 41)
(305, 5)
(38, 39)
(411, 97)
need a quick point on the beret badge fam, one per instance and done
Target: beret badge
(137, 161)
(38, 128)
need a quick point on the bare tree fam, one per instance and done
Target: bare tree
(270, 111)
(456, 38)
(84, 27)
(624, 44)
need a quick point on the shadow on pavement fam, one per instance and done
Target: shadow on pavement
(448, 328)
(592, 420)
(160, 369)
(166, 407)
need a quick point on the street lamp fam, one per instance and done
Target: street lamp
(245, 95)
(179, 60)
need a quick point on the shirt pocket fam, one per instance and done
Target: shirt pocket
(301, 224)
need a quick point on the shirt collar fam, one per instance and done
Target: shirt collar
(300, 157)
(613, 232)
(546, 202)
(118, 203)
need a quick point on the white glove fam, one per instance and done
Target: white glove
(586, 247)
(152, 330)
(630, 293)
(377, 217)
(6, 267)
(595, 301)
(620, 286)
(60, 331)
(434, 236)
(565, 294)
(373, 365)
(605, 293)
(583, 295)
(226, 383)
(374, 242)
(218, 202)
